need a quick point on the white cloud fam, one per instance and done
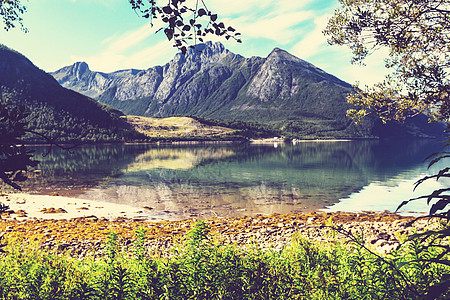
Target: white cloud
(262, 23)
(336, 59)
(275, 20)
(236, 7)
(311, 43)
(129, 39)
(280, 28)
(122, 52)
(251, 7)
(373, 72)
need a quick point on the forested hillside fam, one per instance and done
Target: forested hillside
(59, 113)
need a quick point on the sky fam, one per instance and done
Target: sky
(110, 36)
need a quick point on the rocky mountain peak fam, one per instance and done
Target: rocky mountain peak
(281, 54)
(79, 68)
(206, 52)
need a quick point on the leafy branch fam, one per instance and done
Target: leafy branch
(183, 24)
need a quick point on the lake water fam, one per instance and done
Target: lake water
(203, 181)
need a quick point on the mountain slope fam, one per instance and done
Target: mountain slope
(282, 90)
(59, 113)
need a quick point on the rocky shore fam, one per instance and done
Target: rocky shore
(87, 235)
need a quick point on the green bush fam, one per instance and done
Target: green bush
(203, 268)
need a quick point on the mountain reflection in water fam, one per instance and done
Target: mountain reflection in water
(232, 180)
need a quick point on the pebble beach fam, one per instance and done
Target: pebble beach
(59, 223)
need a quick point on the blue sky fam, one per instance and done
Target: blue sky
(109, 36)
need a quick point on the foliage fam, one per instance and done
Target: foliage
(205, 268)
(440, 201)
(184, 24)
(54, 112)
(11, 12)
(416, 35)
(15, 159)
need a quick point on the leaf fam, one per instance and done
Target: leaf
(201, 12)
(440, 205)
(167, 9)
(403, 204)
(213, 17)
(172, 22)
(20, 177)
(436, 160)
(183, 50)
(231, 29)
(186, 28)
(169, 33)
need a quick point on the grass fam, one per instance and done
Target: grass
(177, 127)
(201, 267)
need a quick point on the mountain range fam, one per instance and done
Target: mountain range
(290, 95)
(279, 95)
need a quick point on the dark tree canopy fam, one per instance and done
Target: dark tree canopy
(417, 35)
(184, 25)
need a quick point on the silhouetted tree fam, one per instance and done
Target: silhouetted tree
(15, 159)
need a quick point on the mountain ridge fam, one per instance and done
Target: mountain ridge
(59, 113)
(211, 82)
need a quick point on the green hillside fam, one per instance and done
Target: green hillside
(59, 113)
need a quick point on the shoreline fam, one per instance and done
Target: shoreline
(83, 236)
(168, 141)
(27, 206)
(82, 230)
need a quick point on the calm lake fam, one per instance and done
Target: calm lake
(234, 180)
